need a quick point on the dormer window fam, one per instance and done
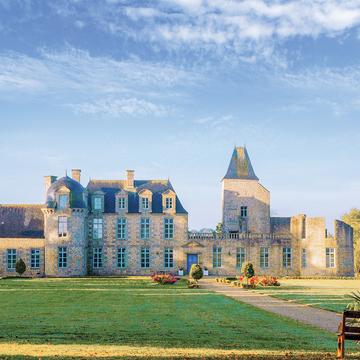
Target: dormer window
(98, 202)
(122, 203)
(169, 203)
(63, 201)
(145, 200)
(145, 203)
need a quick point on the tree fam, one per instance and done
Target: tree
(353, 219)
(248, 270)
(219, 228)
(20, 266)
(196, 272)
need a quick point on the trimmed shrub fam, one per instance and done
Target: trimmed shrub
(20, 266)
(248, 270)
(196, 272)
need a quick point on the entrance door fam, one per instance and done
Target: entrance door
(191, 259)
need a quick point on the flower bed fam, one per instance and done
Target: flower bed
(164, 279)
(252, 282)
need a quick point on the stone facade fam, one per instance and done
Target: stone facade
(137, 227)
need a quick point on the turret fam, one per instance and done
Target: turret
(245, 202)
(65, 214)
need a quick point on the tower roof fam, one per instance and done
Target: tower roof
(240, 165)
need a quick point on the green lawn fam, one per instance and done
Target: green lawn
(138, 313)
(326, 294)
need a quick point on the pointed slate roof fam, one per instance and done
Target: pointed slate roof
(240, 165)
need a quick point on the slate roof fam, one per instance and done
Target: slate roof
(21, 221)
(76, 192)
(111, 187)
(240, 165)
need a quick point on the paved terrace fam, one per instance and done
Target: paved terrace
(323, 319)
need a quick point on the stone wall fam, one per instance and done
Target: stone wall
(250, 193)
(23, 248)
(204, 249)
(133, 243)
(75, 242)
(345, 249)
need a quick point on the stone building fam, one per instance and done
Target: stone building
(133, 227)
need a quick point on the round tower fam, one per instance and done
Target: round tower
(65, 215)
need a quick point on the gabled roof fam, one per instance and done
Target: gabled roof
(21, 221)
(111, 187)
(240, 165)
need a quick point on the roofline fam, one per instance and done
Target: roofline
(20, 205)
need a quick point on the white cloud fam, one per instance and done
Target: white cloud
(119, 107)
(346, 78)
(240, 27)
(139, 87)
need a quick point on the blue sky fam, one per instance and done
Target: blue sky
(169, 87)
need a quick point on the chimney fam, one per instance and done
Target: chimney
(49, 180)
(76, 174)
(129, 178)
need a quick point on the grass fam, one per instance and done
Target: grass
(327, 294)
(138, 314)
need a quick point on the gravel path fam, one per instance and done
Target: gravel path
(323, 319)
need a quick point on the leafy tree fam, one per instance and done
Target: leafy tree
(219, 228)
(196, 272)
(248, 270)
(353, 218)
(20, 266)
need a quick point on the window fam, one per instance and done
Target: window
(97, 203)
(243, 211)
(62, 257)
(169, 203)
(121, 229)
(169, 258)
(145, 228)
(330, 257)
(11, 259)
(121, 257)
(264, 257)
(97, 258)
(240, 257)
(287, 257)
(62, 226)
(216, 257)
(35, 258)
(168, 229)
(145, 203)
(63, 201)
(97, 228)
(145, 257)
(303, 258)
(122, 203)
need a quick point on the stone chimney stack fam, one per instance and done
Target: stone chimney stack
(49, 180)
(130, 178)
(76, 174)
